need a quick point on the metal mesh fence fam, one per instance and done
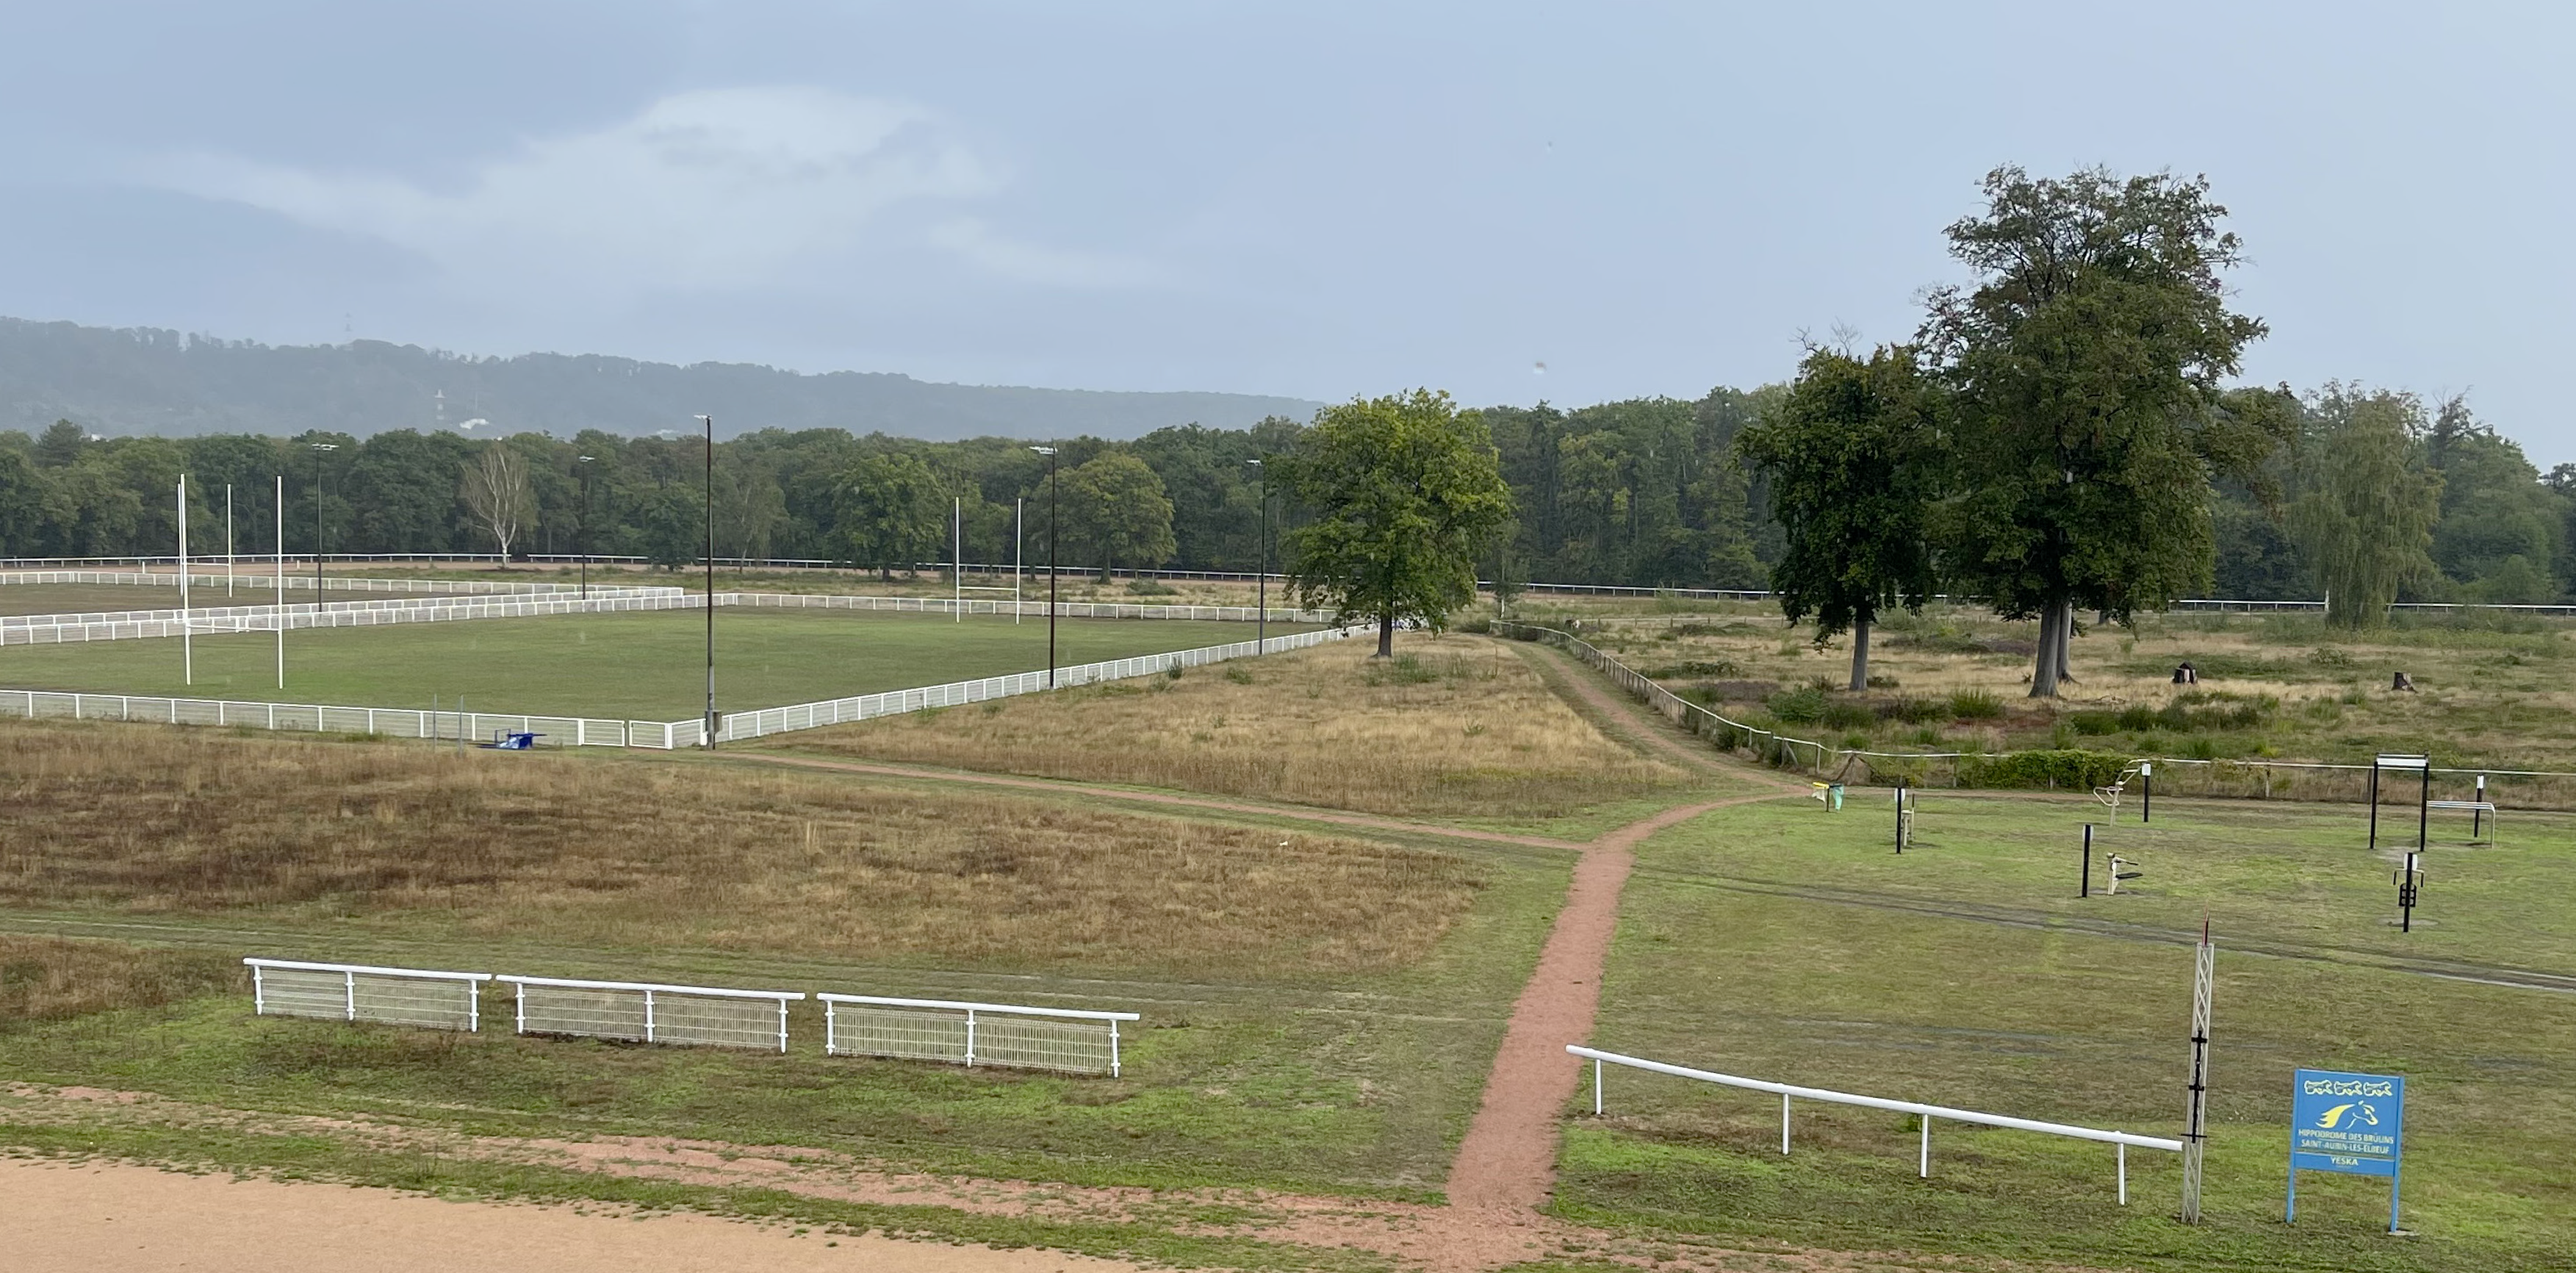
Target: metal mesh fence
(348, 992)
(911, 1034)
(1074, 1042)
(640, 1013)
(587, 1011)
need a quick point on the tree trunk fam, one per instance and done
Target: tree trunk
(2043, 670)
(2066, 642)
(1860, 654)
(1385, 636)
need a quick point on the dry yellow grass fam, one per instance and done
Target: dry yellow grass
(1456, 725)
(644, 853)
(48, 978)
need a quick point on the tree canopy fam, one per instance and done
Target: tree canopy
(1853, 459)
(1403, 492)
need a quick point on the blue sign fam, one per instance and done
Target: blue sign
(2350, 1123)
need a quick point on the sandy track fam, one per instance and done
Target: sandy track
(77, 1218)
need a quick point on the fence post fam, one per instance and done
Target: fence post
(1784, 1124)
(648, 1016)
(349, 982)
(258, 992)
(1113, 1047)
(1924, 1169)
(831, 1029)
(2123, 1147)
(1596, 1088)
(782, 1027)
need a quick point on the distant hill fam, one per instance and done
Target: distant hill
(142, 381)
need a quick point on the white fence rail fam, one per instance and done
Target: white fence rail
(1075, 1041)
(643, 1012)
(776, 720)
(1789, 1091)
(391, 722)
(51, 629)
(1024, 609)
(245, 578)
(421, 997)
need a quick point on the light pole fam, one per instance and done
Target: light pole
(1261, 576)
(710, 422)
(1055, 520)
(318, 449)
(585, 526)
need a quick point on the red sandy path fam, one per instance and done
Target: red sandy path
(59, 1218)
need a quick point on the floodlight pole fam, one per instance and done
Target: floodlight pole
(1055, 530)
(1018, 575)
(710, 422)
(585, 526)
(228, 541)
(318, 449)
(278, 615)
(957, 559)
(1261, 573)
(187, 630)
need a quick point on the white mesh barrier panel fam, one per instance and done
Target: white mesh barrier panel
(639, 1012)
(422, 997)
(587, 1011)
(1070, 1040)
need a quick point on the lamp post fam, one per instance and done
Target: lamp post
(318, 449)
(1261, 576)
(585, 526)
(710, 422)
(1055, 520)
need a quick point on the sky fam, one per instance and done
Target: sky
(1513, 202)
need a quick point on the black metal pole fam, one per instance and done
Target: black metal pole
(2147, 796)
(1900, 816)
(2374, 807)
(1055, 531)
(711, 580)
(2424, 805)
(1261, 575)
(2087, 889)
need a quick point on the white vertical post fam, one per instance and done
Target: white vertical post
(1784, 1124)
(258, 992)
(187, 647)
(782, 1027)
(2124, 1173)
(1596, 1088)
(1924, 1168)
(970, 1038)
(228, 541)
(1016, 514)
(473, 1008)
(832, 1030)
(957, 558)
(1113, 1047)
(523, 1008)
(648, 1005)
(350, 981)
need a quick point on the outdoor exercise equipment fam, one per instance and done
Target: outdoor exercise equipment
(2410, 877)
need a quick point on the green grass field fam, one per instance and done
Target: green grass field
(647, 666)
(1785, 943)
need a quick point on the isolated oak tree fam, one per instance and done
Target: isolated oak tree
(1853, 459)
(2084, 368)
(1405, 491)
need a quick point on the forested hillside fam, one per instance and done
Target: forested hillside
(1647, 492)
(164, 383)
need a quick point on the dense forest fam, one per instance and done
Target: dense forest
(1645, 492)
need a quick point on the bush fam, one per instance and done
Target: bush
(1691, 667)
(1804, 705)
(1976, 705)
(1849, 715)
(1914, 711)
(2069, 768)
(1878, 682)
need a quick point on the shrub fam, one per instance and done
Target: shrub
(1692, 667)
(1804, 705)
(1848, 715)
(1914, 711)
(2067, 768)
(2139, 718)
(1976, 705)
(1878, 682)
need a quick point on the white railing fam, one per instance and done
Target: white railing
(1926, 1113)
(778, 720)
(358, 992)
(391, 722)
(1022, 609)
(128, 625)
(245, 578)
(643, 1012)
(1076, 1041)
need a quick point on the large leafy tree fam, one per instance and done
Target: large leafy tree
(1853, 461)
(892, 509)
(2085, 365)
(2368, 504)
(1115, 509)
(1405, 491)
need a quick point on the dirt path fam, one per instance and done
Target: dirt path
(1640, 724)
(1051, 786)
(75, 1218)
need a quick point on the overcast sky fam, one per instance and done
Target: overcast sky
(1575, 202)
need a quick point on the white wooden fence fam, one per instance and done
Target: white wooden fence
(246, 578)
(1075, 1041)
(1925, 1113)
(50, 629)
(358, 992)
